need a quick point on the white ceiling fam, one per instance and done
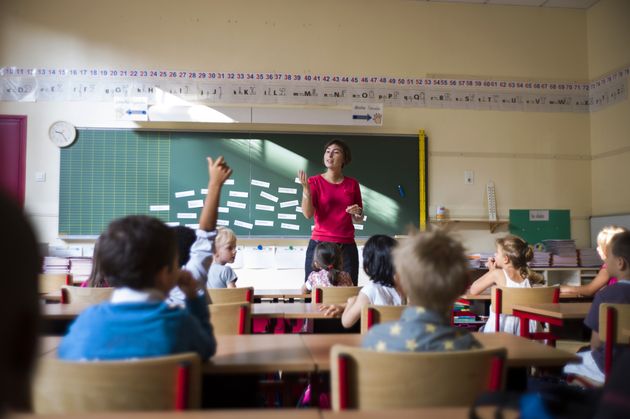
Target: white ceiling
(569, 4)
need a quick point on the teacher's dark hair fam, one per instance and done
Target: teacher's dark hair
(347, 154)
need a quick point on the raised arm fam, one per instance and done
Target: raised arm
(218, 172)
(307, 202)
(591, 288)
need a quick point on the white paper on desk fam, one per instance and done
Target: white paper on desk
(183, 194)
(262, 207)
(239, 194)
(260, 183)
(197, 203)
(159, 207)
(290, 257)
(289, 204)
(233, 204)
(243, 224)
(269, 196)
(187, 215)
(254, 258)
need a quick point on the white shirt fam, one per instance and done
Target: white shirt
(381, 295)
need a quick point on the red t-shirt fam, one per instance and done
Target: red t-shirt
(332, 222)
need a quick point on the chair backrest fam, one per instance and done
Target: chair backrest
(161, 383)
(505, 298)
(366, 379)
(53, 282)
(372, 314)
(613, 320)
(231, 295)
(335, 295)
(231, 318)
(85, 295)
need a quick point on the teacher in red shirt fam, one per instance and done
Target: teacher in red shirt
(335, 202)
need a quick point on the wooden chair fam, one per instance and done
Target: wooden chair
(84, 295)
(231, 295)
(613, 319)
(335, 295)
(505, 298)
(161, 383)
(53, 282)
(231, 318)
(372, 314)
(365, 379)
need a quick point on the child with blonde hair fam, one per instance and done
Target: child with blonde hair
(433, 272)
(220, 274)
(508, 268)
(603, 277)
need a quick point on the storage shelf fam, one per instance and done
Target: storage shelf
(492, 225)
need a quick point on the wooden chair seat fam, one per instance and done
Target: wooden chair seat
(231, 318)
(335, 295)
(161, 383)
(369, 380)
(53, 282)
(613, 319)
(85, 295)
(374, 314)
(231, 295)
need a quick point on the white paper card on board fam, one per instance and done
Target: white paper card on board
(291, 191)
(262, 207)
(233, 204)
(290, 257)
(229, 182)
(297, 180)
(538, 215)
(197, 203)
(191, 215)
(358, 226)
(172, 224)
(224, 223)
(239, 194)
(159, 207)
(224, 210)
(193, 226)
(255, 258)
(289, 204)
(282, 216)
(299, 209)
(264, 223)
(243, 224)
(260, 183)
(288, 226)
(183, 194)
(269, 196)
(203, 191)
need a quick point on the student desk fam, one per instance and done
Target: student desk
(280, 294)
(288, 311)
(551, 313)
(62, 311)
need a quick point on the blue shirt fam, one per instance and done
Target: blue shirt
(110, 331)
(418, 330)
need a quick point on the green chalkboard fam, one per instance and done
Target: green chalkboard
(108, 173)
(557, 226)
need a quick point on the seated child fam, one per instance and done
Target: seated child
(603, 277)
(381, 290)
(508, 268)
(96, 278)
(221, 275)
(618, 265)
(327, 265)
(138, 256)
(433, 273)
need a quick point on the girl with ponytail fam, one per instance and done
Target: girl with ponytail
(508, 268)
(327, 265)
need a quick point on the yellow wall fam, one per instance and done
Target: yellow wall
(537, 160)
(608, 35)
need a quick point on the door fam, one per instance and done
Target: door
(13, 156)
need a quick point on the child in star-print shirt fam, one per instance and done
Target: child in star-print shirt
(433, 273)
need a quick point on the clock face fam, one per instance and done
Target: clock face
(62, 133)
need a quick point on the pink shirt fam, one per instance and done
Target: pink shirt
(332, 222)
(612, 280)
(320, 279)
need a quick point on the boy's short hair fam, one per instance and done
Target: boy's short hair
(134, 249)
(607, 233)
(185, 237)
(224, 235)
(19, 310)
(620, 246)
(432, 268)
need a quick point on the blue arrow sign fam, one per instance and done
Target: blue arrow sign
(366, 117)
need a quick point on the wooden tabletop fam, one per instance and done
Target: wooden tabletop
(62, 311)
(288, 311)
(562, 311)
(48, 345)
(563, 296)
(280, 293)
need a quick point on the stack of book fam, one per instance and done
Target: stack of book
(564, 253)
(463, 317)
(589, 257)
(56, 265)
(479, 260)
(541, 259)
(80, 268)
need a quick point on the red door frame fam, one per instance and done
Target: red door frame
(22, 120)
